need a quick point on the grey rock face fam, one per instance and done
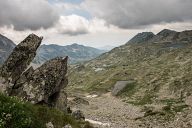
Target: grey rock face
(119, 86)
(39, 86)
(61, 103)
(45, 83)
(67, 126)
(49, 125)
(20, 58)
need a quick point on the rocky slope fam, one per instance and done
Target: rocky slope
(159, 65)
(76, 53)
(6, 47)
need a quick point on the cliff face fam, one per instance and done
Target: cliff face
(39, 86)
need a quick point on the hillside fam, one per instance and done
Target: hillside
(16, 113)
(76, 53)
(6, 47)
(159, 65)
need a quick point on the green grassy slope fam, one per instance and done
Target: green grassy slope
(15, 113)
(161, 69)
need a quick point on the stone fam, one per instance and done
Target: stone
(78, 115)
(19, 60)
(120, 86)
(39, 86)
(49, 125)
(67, 126)
(44, 84)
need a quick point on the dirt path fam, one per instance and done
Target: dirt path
(110, 111)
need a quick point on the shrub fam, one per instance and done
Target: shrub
(15, 113)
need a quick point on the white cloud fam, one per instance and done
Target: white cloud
(72, 25)
(105, 28)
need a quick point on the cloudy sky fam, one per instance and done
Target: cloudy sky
(91, 22)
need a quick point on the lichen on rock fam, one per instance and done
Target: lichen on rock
(39, 86)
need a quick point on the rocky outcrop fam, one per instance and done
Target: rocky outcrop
(39, 86)
(120, 86)
(44, 84)
(19, 60)
(141, 37)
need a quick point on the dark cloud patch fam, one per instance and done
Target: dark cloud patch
(27, 14)
(140, 13)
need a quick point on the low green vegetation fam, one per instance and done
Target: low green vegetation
(167, 113)
(146, 99)
(15, 113)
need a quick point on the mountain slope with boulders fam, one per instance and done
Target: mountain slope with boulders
(6, 47)
(158, 71)
(76, 53)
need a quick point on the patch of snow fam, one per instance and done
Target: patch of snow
(98, 69)
(92, 96)
(97, 123)
(75, 50)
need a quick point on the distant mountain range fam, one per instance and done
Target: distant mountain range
(6, 47)
(76, 52)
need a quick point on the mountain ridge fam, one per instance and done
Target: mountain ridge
(6, 47)
(76, 52)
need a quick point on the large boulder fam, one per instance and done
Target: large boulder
(44, 84)
(39, 86)
(120, 86)
(19, 60)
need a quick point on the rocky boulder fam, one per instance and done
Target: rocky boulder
(19, 59)
(39, 86)
(45, 83)
(120, 86)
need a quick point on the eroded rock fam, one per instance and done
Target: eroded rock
(19, 60)
(39, 86)
(45, 83)
(120, 86)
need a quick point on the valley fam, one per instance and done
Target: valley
(95, 64)
(143, 83)
(159, 65)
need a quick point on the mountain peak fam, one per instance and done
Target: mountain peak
(142, 37)
(166, 32)
(75, 44)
